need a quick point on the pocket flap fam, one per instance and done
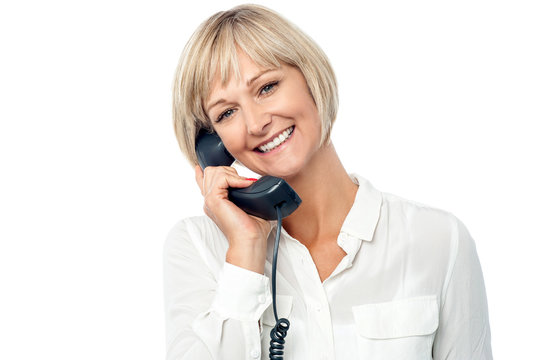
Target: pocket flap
(283, 309)
(395, 319)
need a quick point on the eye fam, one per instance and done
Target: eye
(225, 114)
(267, 89)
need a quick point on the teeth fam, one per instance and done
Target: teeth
(276, 141)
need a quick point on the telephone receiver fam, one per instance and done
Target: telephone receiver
(258, 199)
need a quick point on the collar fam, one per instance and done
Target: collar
(363, 216)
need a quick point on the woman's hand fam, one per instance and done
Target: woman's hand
(247, 234)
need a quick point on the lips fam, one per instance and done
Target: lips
(277, 149)
(275, 140)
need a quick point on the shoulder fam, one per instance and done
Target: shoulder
(418, 215)
(427, 236)
(197, 234)
(427, 229)
(199, 226)
(405, 220)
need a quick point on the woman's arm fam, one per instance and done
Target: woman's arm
(464, 331)
(209, 316)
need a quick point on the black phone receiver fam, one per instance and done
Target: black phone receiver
(258, 199)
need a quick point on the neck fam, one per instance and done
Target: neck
(327, 194)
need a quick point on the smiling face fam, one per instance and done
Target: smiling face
(266, 118)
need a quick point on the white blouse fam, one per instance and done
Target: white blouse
(410, 287)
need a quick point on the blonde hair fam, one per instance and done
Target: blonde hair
(268, 39)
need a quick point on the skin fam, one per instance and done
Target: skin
(250, 114)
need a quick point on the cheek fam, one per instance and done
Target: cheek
(302, 110)
(232, 140)
(305, 106)
(313, 122)
(234, 149)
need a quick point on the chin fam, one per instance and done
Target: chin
(286, 166)
(285, 170)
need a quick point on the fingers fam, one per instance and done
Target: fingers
(238, 227)
(216, 180)
(219, 178)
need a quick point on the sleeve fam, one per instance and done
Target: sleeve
(209, 317)
(464, 330)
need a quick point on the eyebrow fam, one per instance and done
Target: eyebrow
(248, 83)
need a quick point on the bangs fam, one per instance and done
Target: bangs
(253, 40)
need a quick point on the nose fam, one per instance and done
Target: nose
(256, 120)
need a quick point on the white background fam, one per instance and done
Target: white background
(440, 103)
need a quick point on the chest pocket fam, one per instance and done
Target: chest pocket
(401, 329)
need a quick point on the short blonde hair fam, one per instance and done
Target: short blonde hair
(268, 39)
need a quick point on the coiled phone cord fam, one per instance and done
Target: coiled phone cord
(279, 332)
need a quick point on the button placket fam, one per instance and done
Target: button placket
(315, 298)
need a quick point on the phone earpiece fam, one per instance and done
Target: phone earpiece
(211, 151)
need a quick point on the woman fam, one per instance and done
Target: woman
(362, 274)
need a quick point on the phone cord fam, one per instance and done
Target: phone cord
(279, 332)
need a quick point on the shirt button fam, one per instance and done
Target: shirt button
(255, 353)
(261, 299)
(317, 306)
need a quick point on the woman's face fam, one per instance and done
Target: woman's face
(267, 118)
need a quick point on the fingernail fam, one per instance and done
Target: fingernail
(252, 179)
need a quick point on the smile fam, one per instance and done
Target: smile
(277, 141)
